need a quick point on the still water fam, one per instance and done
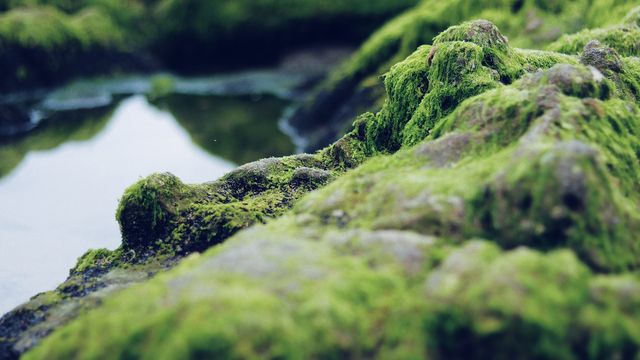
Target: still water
(59, 186)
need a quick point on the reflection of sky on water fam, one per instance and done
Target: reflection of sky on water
(59, 203)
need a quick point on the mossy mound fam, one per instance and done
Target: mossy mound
(527, 23)
(501, 226)
(532, 163)
(162, 213)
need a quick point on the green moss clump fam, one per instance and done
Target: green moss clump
(147, 207)
(41, 45)
(96, 29)
(406, 84)
(464, 60)
(45, 27)
(159, 213)
(534, 163)
(299, 299)
(457, 74)
(49, 29)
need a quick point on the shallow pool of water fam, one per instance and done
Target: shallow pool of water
(60, 185)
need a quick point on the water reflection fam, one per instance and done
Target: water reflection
(61, 184)
(240, 129)
(79, 125)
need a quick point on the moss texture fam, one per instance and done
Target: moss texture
(162, 213)
(527, 24)
(500, 226)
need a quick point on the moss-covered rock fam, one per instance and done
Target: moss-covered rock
(532, 305)
(266, 294)
(161, 213)
(527, 23)
(97, 275)
(537, 154)
(533, 163)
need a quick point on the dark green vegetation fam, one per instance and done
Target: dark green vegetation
(43, 42)
(488, 209)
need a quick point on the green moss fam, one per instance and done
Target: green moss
(161, 213)
(299, 298)
(527, 23)
(147, 207)
(549, 305)
(456, 74)
(290, 317)
(524, 305)
(161, 85)
(608, 321)
(351, 150)
(494, 168)
(406, 84)
(98, 260)
(465, 60)
(47, 28)
(97, 29)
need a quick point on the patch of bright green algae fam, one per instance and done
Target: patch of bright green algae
(501, 226)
